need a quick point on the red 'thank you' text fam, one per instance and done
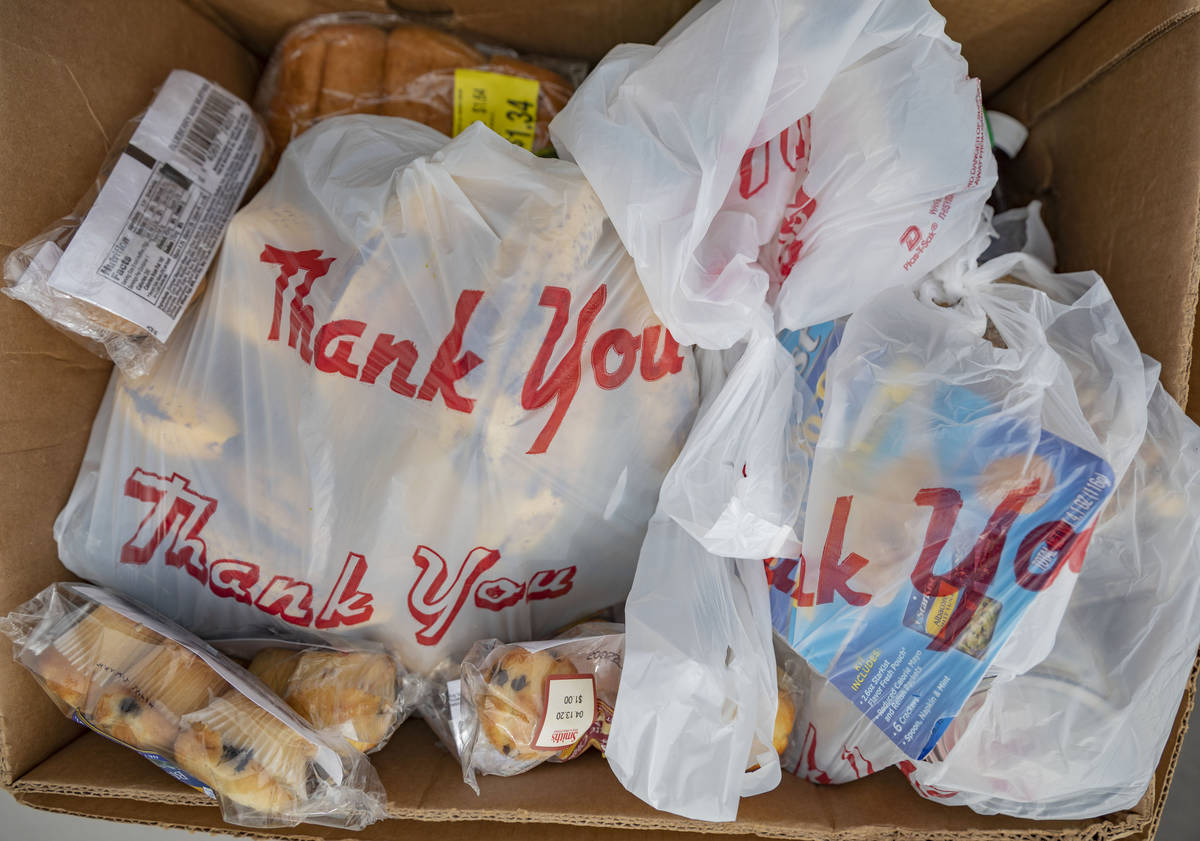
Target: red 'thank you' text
(338, 347)
(435, 599)
(171, 531)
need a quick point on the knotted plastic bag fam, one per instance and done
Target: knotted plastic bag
(819, 153)
(1081, 733)
(425, 402)
(967, 448)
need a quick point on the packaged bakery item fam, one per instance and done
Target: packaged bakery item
(850, 156)
(353, 689)
(512, 707)
(1081, 733)
(525, 704)
(368, 63)
(425, 401)
(137, 679)
(119, 272)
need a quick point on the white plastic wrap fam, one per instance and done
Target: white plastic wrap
(965, 455)
(1081, 734)
(154, 687)
(425, 402)
(818, 153)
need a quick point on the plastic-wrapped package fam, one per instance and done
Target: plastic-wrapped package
(850, 155)
(424, 401)
(511, 707)
(1081, 734)
(136, 678)
(528, 703)
(966, 452)
(119, 272)
(355, 689)
(373, 63)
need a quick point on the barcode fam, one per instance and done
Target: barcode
(202, 134)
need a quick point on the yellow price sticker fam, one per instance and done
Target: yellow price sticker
(505, 104)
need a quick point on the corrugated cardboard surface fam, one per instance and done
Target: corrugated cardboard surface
(575, 28)
(1113, 150)
(71, 74)
(1000, 38)
(424, 783)
(206, 819)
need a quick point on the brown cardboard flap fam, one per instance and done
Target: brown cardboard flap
(77, 73)
(1001, 38)
(424, 783)
(208, 819)
(258, 24)
(572, 28)
(1114, 151)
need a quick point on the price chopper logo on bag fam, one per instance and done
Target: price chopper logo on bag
(462, 400)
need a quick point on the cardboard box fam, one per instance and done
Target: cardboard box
(1109, 89)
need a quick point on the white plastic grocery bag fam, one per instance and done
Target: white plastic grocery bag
(966, 452)
(1081, 734)
(425, 401)
(817, 153)
(826, 150)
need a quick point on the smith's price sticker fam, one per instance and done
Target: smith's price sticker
(570, 711)
(505, 104)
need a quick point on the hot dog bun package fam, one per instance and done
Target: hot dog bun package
(424, 402)
(119, 272)
(373, 63)
(355, 688)
(142, 681)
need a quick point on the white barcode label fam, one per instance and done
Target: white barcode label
(152, 232)
(570, 710)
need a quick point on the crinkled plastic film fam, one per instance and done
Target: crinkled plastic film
(135, 678)
(373, 63)
(28, 271)
(368, 414)
(492, 718)
(504, 695)
(354, 689)
(1081, 733)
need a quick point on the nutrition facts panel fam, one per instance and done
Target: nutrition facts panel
(157, 222)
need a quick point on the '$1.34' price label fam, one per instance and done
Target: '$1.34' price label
(505, 104)
(570, 710)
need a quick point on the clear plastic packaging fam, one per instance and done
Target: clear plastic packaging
(137, 679)
(530, 703)
(374, 63)
(354, 689)
(511, 707)
(118, 273)
(424, 401)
